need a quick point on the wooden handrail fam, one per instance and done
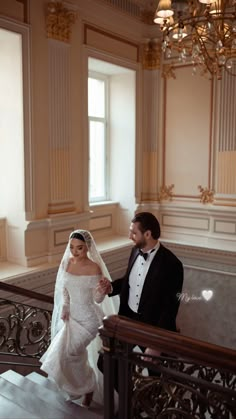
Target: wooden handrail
(27, 293)
(172, 343)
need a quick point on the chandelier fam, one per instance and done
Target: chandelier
(202, 32)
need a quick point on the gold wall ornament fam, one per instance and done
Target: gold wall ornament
(166, 192)
(168, 71)
(58, 21)
(151, 54)
(206, 195)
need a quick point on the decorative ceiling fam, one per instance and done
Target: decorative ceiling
(140, 9)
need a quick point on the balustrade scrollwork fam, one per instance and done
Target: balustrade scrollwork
(180, 389)
(24, 329)
(196, 380)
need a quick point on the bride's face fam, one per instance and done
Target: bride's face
(78, 249)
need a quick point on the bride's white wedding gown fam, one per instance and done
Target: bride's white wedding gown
(66, 361)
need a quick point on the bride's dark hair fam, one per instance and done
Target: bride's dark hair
(77, 236)
(82, 235)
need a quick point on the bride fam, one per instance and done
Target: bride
(79, 306)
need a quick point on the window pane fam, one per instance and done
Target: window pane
(96, 98)
(97, 188)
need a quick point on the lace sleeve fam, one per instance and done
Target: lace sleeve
(66, 304)
(98, 296)
(66, 297)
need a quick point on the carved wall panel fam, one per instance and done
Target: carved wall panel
(186, 156)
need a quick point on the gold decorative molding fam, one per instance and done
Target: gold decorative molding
(168, 71)
(166, 193)
(59, 20)
(206, 195)
(151, 54)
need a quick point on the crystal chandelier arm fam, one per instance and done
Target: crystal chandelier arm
(203, 31)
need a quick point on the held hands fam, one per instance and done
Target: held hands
(65, 314)
(104, 286)
(152, 352)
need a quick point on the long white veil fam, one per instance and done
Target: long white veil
(109, 305)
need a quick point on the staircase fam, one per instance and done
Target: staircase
(34, 396)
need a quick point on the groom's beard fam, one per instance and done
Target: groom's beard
(141, 243)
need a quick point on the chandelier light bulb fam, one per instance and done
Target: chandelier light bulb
(215, 7)
(179, 33)
(206, 1)
(229, 64)
(158, 20)
(164, 9)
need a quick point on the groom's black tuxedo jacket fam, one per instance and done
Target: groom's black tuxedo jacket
(160, 298)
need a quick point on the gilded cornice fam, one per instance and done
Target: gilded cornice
(151, 54)
(206, 195)
(59, 20)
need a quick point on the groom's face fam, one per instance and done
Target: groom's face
(138, 238)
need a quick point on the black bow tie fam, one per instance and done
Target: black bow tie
(145, 255)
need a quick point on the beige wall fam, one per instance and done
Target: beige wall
(178, 130)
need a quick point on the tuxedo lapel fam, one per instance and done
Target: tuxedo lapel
(133, 258)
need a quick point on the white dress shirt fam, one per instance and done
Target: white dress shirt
(137, 277)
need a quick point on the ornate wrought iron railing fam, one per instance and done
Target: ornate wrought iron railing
(24, 328)
(196, 380)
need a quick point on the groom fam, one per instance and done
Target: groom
(153, 281)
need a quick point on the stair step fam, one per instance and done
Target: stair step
(37, 384)
(29, 401)
(95, 411)
(42, 380)
(9, 410)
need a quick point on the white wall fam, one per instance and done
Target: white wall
(12, 141)
(11, 126)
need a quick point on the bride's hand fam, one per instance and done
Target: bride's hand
(65, 317)
(152, 352)
(104, 286)
(65, 314)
